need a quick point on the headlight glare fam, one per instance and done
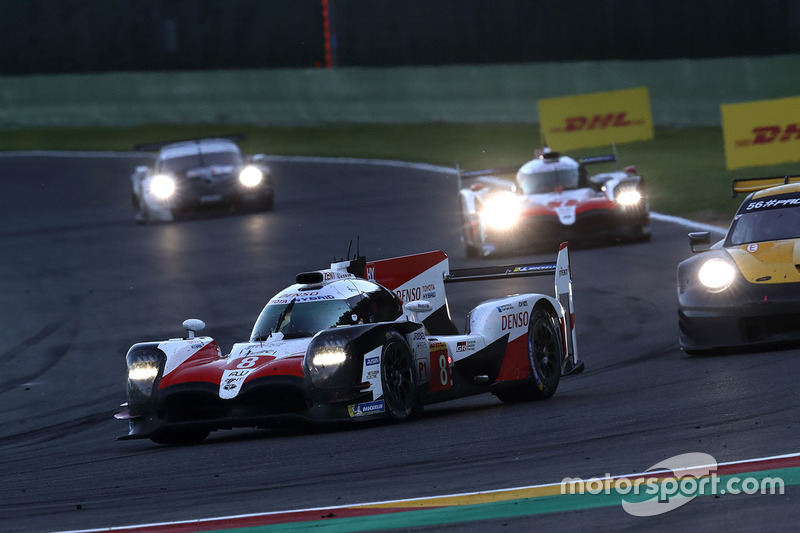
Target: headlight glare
(250, 176)
(716, 274)
(501, 210)
(329, 357)
(144, 366)
(162, 187)
(629, 197)
(326, 358)
(145, 371)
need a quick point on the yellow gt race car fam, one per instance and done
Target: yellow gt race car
(745, 289)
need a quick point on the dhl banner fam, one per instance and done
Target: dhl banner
(596, 119)
(761, 133)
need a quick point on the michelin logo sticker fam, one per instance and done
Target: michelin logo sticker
(364, 409)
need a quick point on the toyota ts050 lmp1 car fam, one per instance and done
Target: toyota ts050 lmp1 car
(549, 199)
(358, 341)
(745, 289)
(197, 174)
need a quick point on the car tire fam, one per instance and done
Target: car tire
(544, 358)
(180, 437)
(142, 213)
(398, 378)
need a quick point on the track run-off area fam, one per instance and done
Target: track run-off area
(82, 282)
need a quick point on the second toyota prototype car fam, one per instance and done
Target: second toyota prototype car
(549, 199)
(745, 289)
(359, 341)
(199, 174)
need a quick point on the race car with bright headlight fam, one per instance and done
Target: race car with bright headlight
(196, 175)
(744, 290)
(359, 341)
(549, 199)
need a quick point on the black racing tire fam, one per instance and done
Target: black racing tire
(180, 437)
(544, 356)
(398, 378)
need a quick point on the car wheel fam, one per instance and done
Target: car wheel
(398, 378)
(142, 214)
(180, 437)
(544, 357)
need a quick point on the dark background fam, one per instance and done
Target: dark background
(59, 36)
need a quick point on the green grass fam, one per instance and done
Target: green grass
(684, 168)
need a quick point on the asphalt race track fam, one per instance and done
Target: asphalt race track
(81, 282)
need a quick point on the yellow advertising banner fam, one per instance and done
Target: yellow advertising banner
(761, 133)
(596, 119)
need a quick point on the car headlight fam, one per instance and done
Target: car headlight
(144, 366)
(326, 356)
(629, 197)
(251, 176)
(501, 210)
(716, 274)
(329, 357)
(162, 187)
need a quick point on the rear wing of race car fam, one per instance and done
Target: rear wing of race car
(423, 277)
(151, 147)
(563, 289)
(748, 185)
(496, 176)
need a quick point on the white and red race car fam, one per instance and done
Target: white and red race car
(359, 341)
(550, 199)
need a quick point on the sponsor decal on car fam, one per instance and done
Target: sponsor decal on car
(364, 409)
(514, 320)
(505, 307)
(232, 381)
(369, 361)
(530, 268)
(465, 346)
(774, 203)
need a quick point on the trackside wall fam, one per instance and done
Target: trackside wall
(682, 92)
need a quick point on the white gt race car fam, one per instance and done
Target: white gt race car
(197, 175)
(550, 199)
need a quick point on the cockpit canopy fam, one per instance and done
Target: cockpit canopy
(770, 218)
(304, 310)
(549, 173)
(182, 157)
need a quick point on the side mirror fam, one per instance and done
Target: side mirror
(700, 241)
(193, 325)
(420, 306)
(412, 308)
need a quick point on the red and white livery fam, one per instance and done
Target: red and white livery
(358, 341)
(550, 199)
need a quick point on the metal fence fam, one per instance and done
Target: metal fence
(58, 36)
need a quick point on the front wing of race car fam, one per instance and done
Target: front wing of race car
(257, 390)
(744, 314)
